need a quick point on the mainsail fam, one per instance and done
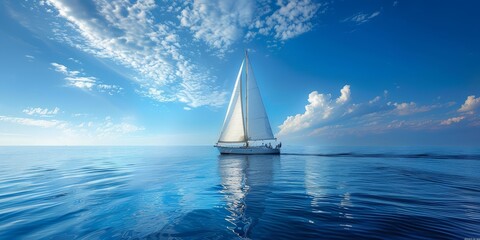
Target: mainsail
(253, 125)
(258, 126)
(233, 125)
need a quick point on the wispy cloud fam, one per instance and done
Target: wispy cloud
(129, 34)
(41, 111)
(30, 58)
(108, 128)
(86, 131)
(409, 108)
(110, 89)
(361, 17)
(452, 120)
(79, 79)
(75, 60)
(73, 78)
(150, 38)
(222, 23)
(34, 122)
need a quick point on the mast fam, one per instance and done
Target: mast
(246, 97)
(241, 104)
(258, 126)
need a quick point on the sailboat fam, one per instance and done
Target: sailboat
(246, 129)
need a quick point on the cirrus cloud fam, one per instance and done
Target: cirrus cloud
(155, 40)
(75, 79)
(452, 120)
(41, 111)
(128, 34)
(222, 23)
(361, 17)
(33, 122)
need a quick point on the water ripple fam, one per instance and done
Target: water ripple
(157, 193)
(390, 155)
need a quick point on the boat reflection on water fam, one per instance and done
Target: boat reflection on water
(246, 181)
(245, 184)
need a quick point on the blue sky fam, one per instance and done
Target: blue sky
(99, 72)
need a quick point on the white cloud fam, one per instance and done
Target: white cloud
(129, 34)
(33, 122)
(87, 132)
(157, 94)
(110, 89)
(150, 38)
(335, 117)
(345, 95)
(470, 104)
(409, 108)
(82, 82)
(75, 60)
(360, 18)
(75, 79)
(452, 120)
(219, 23)
(320, 108)
(404, 108)
(30, 58)
(222, 23)
(41, 111)
(61, 69)
(291, 19)
(192, 91)
(376, 99)
(109, 128)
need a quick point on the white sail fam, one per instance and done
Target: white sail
(233, 125)
(258, 126)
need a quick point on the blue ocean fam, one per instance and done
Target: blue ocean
(194, 193)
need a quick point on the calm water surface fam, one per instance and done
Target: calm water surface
(193, 193)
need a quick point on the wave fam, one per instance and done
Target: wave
(391, 155)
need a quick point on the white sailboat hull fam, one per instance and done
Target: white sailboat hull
(248, 150)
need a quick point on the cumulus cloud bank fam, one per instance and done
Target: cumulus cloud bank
(320, 107)
(336, 117)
